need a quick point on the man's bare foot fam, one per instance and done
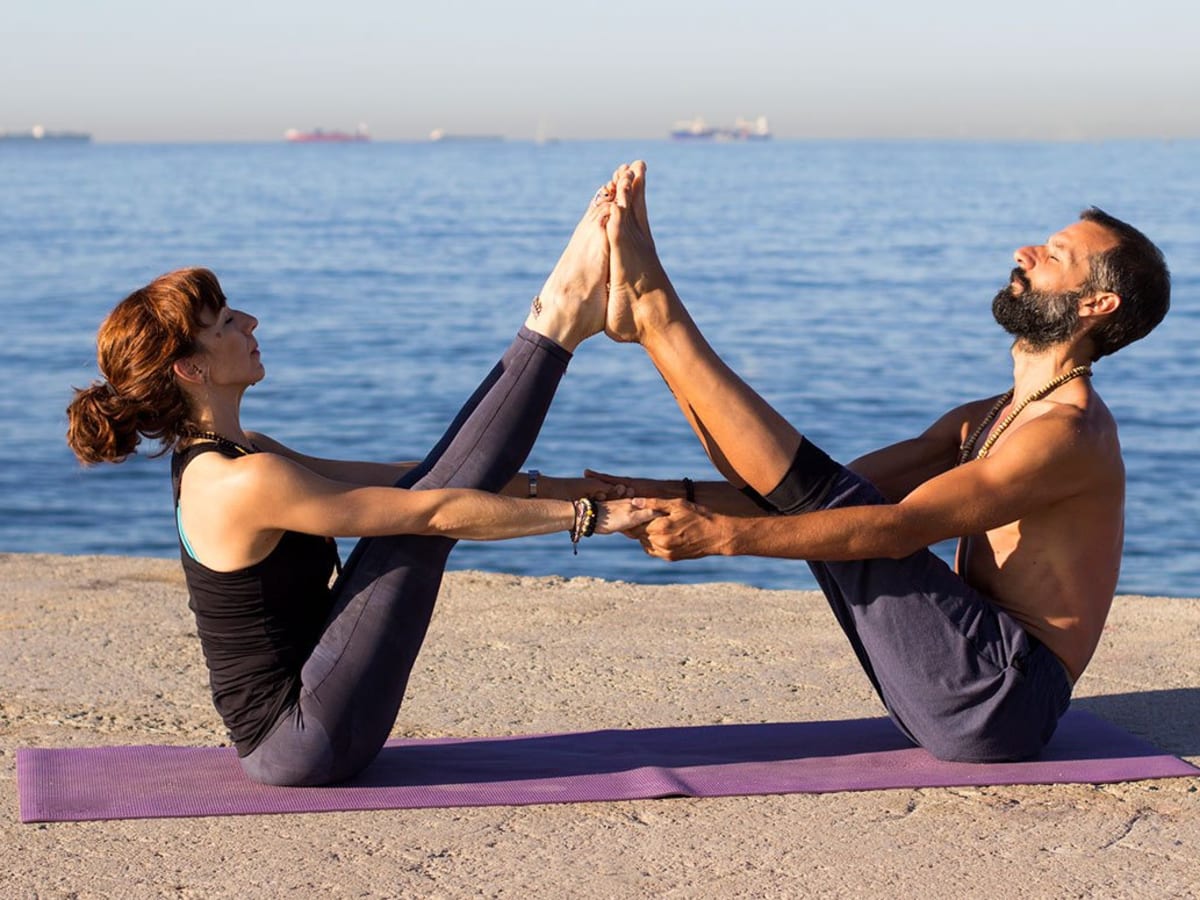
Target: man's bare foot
(571, 305)
(641, 299)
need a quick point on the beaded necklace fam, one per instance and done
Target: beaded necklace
(968, 448)
(221, 441)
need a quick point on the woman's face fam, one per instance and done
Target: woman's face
(230, 353)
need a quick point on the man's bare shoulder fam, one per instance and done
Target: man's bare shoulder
(956, 423)
(1088, 418)
(1072, 442)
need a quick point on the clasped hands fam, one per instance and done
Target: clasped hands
(680, 529)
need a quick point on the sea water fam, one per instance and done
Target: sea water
(849, 282)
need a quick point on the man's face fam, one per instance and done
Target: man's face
(1038, 318)
(1040, 305)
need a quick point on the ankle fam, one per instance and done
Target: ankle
(661, 317)
(560, 332)
(556, 318)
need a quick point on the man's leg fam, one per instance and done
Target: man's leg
(958, 675)
(743, 434)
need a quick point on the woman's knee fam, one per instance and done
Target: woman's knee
(295, 754)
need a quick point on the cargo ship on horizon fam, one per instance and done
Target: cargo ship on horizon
(441, 135)
(320, 136)
(743, 130)
(38, 134)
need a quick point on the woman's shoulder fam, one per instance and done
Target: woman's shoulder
(213, 470)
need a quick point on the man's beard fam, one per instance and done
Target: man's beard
(1039, 319)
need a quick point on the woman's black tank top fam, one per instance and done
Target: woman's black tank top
(257, 625)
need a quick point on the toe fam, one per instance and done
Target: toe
(624, 188)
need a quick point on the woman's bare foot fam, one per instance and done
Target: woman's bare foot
(571, 305)
(641, 299)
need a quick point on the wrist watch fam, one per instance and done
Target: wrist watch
(533, 475)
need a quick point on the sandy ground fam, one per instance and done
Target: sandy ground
(102, 650)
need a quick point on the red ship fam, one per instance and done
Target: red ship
(319, 136)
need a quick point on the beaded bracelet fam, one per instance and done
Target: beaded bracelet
(585, 521)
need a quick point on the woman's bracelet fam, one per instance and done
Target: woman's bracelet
(585, 521)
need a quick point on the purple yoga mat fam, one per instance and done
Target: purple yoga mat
(702, 761)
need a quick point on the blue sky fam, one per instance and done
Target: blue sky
(131, 70)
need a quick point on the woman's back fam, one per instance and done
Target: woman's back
(257, 625)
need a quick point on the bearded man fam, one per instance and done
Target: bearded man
(975, 662)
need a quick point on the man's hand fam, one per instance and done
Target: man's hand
(683, 531)
(553, 487)
(617, 486)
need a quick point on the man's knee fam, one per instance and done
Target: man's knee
(807, 483)
(984, 744)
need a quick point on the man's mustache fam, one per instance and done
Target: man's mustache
(1018, 275)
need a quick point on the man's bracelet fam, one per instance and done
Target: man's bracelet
(533, 475)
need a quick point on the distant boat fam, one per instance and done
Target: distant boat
(542, 137)
(695, 130)
(320, 136)
(39, 134)
(440, 134)
(743, 130)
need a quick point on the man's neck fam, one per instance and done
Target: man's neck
(1033, 370)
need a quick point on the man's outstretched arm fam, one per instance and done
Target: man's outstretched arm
(1041, 464)
(718, 496)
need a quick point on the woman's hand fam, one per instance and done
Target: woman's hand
(622, 515)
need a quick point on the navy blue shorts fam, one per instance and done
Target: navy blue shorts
(958, 675)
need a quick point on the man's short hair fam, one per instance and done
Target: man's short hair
(1136, 272)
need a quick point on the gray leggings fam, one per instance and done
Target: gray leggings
(353, 683)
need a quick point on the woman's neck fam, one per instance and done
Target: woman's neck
(228, 426)
(217, 414)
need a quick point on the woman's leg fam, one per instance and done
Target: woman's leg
(354, 680)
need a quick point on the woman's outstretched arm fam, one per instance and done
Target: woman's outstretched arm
(233, 510)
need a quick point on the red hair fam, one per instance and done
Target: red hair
(136, 348)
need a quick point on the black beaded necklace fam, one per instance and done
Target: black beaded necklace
(221, 441)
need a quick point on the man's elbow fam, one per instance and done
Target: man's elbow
(904, 551)
(900, 537)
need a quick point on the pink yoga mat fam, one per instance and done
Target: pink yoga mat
(704, 761)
